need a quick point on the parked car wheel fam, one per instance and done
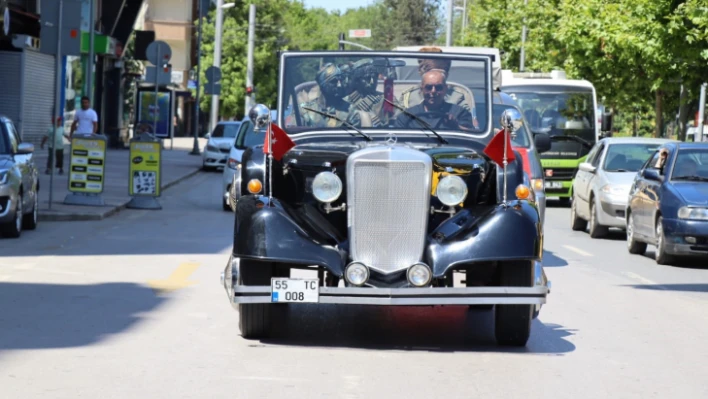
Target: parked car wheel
(576, 222)
(512, 323)
(30, 221)
(14, 228)
(634, 246)
(596, 229)
(259, 320)
(662, 258)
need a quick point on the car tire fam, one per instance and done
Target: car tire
(596, 229)
(661, 257)
(512, 323)
(30, 223)
(633, 246)
(576, 222)
(14, 229)
(259, 320)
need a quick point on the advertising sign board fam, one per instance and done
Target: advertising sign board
(145, 168)
(87, 164)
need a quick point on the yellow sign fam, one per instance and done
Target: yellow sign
(145, 168)
(87, 165)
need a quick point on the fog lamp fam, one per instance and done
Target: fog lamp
(255, 186)
(419, 275)
(690, 240)
(356, 274)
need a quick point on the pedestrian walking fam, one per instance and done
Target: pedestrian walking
(56, 145)
(85, 119)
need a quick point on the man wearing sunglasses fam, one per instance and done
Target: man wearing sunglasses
(434, 110)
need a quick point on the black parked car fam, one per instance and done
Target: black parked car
(668, 203)
(382, 214)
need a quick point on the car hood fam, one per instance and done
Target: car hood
(693, 193)
(222, 142)
(620, 179)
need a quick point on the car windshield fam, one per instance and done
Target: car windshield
(558, 111)
(628, 157)
(381, 90)
(229, 130)
(250, 137)
(691, 164)
(520, 138)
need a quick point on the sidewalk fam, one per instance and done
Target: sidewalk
(177, 165)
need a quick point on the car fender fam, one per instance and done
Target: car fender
(512, 232)
(271, 231)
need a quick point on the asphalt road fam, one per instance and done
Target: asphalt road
(131, 306)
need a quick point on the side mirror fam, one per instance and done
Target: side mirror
(542, 142)
(606, 124)
(260, 116)
(651, 174)
(25, 148)
(207, 136)
(587, 167)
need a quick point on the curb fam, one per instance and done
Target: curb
(66, 217)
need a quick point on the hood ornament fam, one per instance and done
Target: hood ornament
(391, 138)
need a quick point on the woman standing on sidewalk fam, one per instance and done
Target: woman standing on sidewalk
(56, 145)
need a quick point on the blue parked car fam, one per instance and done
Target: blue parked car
(668, 203)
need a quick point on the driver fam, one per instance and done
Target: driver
(434, 109)
(332, 87)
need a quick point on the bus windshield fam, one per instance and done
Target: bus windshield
(558, 111)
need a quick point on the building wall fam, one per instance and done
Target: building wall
(172, 22)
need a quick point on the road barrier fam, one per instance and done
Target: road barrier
(145, 172)
(87, 170)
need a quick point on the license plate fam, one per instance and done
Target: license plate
(554, 184)
(294, 290)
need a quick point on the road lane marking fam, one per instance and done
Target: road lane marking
(178, 279)
(635, 276)
(577, 250)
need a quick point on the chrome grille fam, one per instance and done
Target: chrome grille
(388, 199)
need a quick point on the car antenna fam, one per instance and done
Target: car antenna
(340, 120)
(417, 119)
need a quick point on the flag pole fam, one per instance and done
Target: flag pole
(270, 161)
(506, 140)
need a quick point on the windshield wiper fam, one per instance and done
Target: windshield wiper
(417, 119)
(345, 123)
(692, 178)
(617, 170)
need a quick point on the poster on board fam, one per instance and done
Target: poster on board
(148, 113)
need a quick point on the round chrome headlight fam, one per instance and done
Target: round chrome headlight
(419, 275)
(356, 274)
(327, 187)
(451, 190)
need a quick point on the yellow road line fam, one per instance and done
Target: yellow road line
(177, 280)
(577, 250)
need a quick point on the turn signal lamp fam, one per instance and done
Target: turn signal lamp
(522, 192)
(255, 186)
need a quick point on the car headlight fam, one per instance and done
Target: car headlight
(537, 185)
(4, 176)
(233, 164)
(693, 213)
(451, 190)
(327, 187)
(419, 275)
(212, 148)
(356, 274)
(614, 190)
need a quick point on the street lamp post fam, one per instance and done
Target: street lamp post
(195, 145)
(220, 6)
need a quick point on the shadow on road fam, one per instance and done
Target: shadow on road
(41, 316)
(551, 260)
(680, 262)
(440, 329)
(557, 203)
(672, 287)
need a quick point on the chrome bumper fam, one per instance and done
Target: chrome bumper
(409, 296)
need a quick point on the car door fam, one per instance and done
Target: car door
(640, 202)
(652, 194)
(582, 181)
(21, 161)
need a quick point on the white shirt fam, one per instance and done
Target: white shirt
(86, 119)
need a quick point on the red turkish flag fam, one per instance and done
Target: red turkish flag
(495, 148)
(281, 142)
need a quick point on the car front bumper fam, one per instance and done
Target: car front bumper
(215, 159)
(686, 237)
(612, 212)
(8, 204)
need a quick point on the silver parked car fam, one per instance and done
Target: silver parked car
(601, 186)
(220, 141)
(19, 182)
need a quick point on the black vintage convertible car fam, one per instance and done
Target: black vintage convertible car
(382, 204)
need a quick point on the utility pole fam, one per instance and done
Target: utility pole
(341, 41)
(195, 144)
(522, 57)
(701, 113)
(91, 56)
(450, 6)
(249, 60)
(217, 61)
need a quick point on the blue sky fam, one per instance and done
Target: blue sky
(342, 5)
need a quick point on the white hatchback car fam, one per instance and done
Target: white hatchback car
(216, 151)
(245, 138)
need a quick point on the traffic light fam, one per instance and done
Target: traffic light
(249, 90)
